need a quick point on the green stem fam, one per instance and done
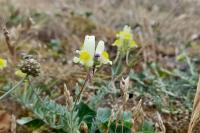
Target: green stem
(82, 88)
(30, 85)
(190, 65)
(8, 92)
(81, 91)
(116, 58)
(127, 58)
(119, 63)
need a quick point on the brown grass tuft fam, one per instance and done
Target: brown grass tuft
(138, 117)
(68, 97)
(195, 118)
(160, 123)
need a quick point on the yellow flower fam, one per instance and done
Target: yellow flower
(3, 63)
(102, 54)
(19, 73)
(125, 40)
(88, 55)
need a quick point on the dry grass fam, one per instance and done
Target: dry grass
(195, 118)
(138, 116)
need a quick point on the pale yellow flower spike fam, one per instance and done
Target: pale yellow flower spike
(125, 40)
(3, 63)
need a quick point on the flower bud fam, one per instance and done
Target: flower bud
(30, 66)
(83, 128)
(124, 84)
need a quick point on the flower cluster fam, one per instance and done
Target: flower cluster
(125, 40)
(91, 55)
(29, 66)
(3, 63)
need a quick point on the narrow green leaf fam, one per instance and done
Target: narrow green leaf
(32, 123)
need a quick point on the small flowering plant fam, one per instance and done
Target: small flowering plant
(91, 55)
(125, 40)
(124, 43)
(76, 116)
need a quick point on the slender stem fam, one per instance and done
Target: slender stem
(84, 85)
(190, 65)
(8, 92)
(127, 57)
(116, 58)
(81, 91)
(34, 90)
(118, 65)
(82, 88)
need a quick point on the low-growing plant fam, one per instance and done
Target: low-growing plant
(79, 116)
(76, 116)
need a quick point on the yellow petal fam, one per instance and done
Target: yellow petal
(105, 55)
(117, 42)
(100, 48)
(19, 73)
(85, 58)
(127, 36)
(105, 58)
(3, 63)
(133, 44)
(89, 45)
(84, 55)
